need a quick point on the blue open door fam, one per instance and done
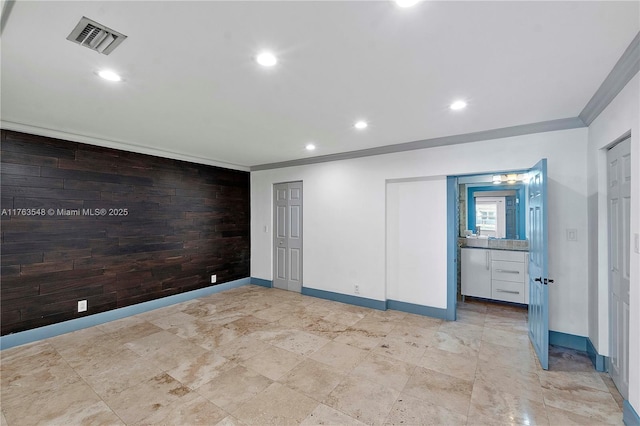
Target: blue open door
(538, 262)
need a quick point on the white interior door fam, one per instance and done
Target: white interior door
(287, 236)
(619, 206)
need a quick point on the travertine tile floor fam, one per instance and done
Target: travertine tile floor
(253, 355)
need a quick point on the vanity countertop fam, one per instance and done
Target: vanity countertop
(494, 244)
(498, 248)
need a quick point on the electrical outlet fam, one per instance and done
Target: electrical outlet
(82, 305)
(356, 289)
(213, 279)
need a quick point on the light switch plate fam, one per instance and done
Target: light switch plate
(572, 235)
(636, 239)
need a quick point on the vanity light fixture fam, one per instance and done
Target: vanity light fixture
(509, 178)
(406, 3)
(361, 125)
(458, 105)
(109, 75)
(266, 59)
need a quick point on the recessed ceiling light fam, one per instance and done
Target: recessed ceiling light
(406, 3)
(266, 59)
(457, 105)
(310, 147)
(109, 75)
(361, 125)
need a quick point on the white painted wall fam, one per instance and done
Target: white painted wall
(344, 216)
(622, 115)
(412, 209)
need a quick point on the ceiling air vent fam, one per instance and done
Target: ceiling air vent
(96, 36)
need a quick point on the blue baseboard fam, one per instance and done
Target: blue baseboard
(29, 336)
(412, 308)
(345, 298)
(261, 282)
(566, 340)
(599, 361)
(376, 304)
(579, 343)
(629, 415)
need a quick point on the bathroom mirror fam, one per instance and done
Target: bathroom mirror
(493, 208)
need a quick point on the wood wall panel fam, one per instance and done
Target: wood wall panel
(185, 222)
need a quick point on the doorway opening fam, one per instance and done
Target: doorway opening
(506, 265)
(491, 216)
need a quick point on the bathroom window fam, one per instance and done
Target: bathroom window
(490, 216)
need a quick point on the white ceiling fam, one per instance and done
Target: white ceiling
(193, 88)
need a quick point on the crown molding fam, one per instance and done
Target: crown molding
(505, 132)
(625, 69)
(7, 6)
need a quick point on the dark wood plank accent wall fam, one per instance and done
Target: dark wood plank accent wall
(183, 222)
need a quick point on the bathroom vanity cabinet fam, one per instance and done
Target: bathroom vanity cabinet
(495, 274)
